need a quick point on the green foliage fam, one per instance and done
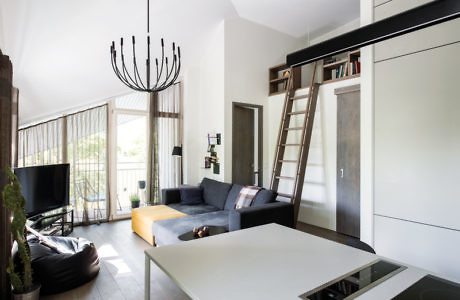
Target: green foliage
(134, 198)
(14, 201)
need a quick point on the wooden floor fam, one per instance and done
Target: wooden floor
(324, 233)
(122, 267)
(122, 264)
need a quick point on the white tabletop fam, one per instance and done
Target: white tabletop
(267, 262)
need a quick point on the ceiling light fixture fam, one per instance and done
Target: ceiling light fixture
(134, 81)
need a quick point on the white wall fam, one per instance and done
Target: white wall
(234, 69)
(204, 110)
(417, 142)
(250, 50)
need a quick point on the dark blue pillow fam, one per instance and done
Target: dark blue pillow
(190, 196)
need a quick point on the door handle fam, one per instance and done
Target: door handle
(341, 173)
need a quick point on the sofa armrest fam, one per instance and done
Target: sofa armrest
(278, 212)
(169, 196)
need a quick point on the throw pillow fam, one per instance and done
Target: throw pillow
(246, 196)
(190, 195)
(265, 196)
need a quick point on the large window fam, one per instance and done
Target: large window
(108, 149)
(81, 140)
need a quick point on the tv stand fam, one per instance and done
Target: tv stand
(53, 222)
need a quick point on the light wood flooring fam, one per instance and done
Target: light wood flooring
(122, 264)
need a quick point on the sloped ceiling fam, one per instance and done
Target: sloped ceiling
(60, 48)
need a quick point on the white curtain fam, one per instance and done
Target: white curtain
(86, 148)
(169, 135)
(87, 154)
(40, 144)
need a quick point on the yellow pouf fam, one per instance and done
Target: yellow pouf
(143, 217)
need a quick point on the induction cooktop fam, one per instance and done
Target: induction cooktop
(356, 282)
(431, 288)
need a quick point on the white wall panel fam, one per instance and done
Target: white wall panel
(417, 137)
(396, 6)
(430, 37)
(428, 247)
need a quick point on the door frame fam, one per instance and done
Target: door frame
(112, 145)
(260, 142)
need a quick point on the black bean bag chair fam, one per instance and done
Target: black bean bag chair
(59, 272)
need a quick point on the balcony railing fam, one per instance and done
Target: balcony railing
(88, 189)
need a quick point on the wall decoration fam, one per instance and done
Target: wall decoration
(207, 162)
(214, 140)
(213, 158)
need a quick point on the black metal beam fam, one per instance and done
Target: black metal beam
(420, 17)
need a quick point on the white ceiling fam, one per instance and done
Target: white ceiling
(60, 48)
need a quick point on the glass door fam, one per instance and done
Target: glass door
(131, 161)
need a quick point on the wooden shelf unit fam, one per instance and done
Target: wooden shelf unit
(277, 82)
(334, 67)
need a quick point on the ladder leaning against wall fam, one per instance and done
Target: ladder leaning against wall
(303, 145)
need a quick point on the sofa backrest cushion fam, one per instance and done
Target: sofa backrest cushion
(232, 195)
(264, 196)
(191, 195)
(215, 192)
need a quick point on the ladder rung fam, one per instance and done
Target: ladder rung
(287, 161)
(285, 177)
(300, 112)
(294, 128)
(287, 145)
(285, 195)
(299, 97)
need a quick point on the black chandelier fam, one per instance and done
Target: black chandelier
(133, 80)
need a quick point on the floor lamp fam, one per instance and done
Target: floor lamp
(177, 151)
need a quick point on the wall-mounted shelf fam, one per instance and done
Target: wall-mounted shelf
(337, 68)
(278, 78)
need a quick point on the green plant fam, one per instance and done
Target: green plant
(134, 198)
(14, 201)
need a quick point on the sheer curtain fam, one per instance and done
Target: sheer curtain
(87, 154)
(164, 170)
(40, 144)
(169, 135)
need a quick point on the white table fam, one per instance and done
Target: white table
(265, 262)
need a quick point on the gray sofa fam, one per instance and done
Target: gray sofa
(217, 209)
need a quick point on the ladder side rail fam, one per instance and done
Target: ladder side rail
(282, 136)
(302, 137)
(304, 159)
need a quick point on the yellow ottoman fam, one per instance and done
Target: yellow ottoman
(143, 217)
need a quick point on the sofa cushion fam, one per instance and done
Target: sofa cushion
(264, 196)
(247, 196)
(232, 195)
(167, 232)
(215, 192)
(193, 209)
(190, 195)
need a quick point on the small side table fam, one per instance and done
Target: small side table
(213, 230)
(55, 218)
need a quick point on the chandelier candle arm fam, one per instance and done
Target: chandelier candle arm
(134, 80)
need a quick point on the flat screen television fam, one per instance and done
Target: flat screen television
(44, 187)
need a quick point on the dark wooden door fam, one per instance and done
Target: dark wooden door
(348, 160)
(243, 146)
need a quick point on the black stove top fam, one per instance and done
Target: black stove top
(355, 283)
(431, 288)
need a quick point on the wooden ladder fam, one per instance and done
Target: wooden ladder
(304, 144)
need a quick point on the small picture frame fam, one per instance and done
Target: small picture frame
(207, 162)
(216, 169)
